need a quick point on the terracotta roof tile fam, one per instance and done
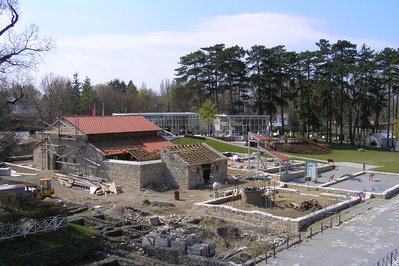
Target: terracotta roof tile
(111, 124)
(276, 154)
(260, 138)
(153, 143)
(196, 154)
(115, 147)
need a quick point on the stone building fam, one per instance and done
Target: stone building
(195, 165)
(124, 149)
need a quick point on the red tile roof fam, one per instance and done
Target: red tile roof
(111, 124)
(275, 154)
(116, 147)
(260, 138)
(153, 143)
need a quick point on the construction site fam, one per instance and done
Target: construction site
(157, 203)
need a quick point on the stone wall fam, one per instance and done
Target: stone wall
(257, 218)
(286, 177)
(175, 256)
(73, 153)
(264, 219)
(22, 168)
(191, 176)
(133, 174)
(389, 193)
(325, 212)
(38, 161)
(219, 171)
(177, 169)
(338, 191)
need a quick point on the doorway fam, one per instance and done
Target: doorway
(206, 173)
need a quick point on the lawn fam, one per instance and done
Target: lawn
(217, 145)
(387, 161)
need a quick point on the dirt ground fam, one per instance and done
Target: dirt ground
(135, 197)
(128, 206)
(305, 147)
(284, 205)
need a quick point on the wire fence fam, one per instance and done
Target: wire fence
(333, 220)
(391, 259)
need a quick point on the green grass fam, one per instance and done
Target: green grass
(387, 161)
(33, 243)
(217, 145)
(209, 222)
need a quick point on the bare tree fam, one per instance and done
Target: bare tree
(19, 49)
(54, 103)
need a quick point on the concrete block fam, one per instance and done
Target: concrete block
(162, 242)
(211, 249)
(194, 250)
(204, 250)
(192, 240)
(180, 245)
(147, 241)
(198, 249)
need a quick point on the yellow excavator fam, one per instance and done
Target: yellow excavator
(43, 191)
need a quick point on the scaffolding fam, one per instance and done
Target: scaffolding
(56, 141)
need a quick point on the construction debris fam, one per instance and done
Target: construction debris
(94, 185)
(180, 239)
(307, 205)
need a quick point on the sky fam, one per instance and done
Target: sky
(143, 40)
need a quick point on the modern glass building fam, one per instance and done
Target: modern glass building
(175, 123)
(223, 125)
(230, 125)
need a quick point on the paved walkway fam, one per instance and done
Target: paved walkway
(363, 240)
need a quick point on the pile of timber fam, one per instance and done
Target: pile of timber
(94, 185)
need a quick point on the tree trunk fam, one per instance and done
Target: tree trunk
(341, 115)
(350, 125)
(389, 116)
(271, 123)
(330, 111)
(282, 115)
(376, 121)
(396, 104)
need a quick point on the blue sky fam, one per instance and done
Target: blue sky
(142, 40)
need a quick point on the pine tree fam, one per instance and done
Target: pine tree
(88, 97)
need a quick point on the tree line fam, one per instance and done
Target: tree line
(333, 86)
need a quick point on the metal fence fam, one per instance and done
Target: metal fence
(391, 259)
(31, 226)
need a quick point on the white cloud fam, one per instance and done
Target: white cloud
(153, 56)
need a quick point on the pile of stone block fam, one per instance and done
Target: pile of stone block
(178, 239)
(202, 249)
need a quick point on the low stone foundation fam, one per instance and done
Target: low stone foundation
(286, 177)
(264, 219)
(22, 169)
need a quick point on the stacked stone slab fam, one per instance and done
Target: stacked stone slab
(202, 249)
(178, 239)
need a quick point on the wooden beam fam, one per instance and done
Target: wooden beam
(68, 163)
